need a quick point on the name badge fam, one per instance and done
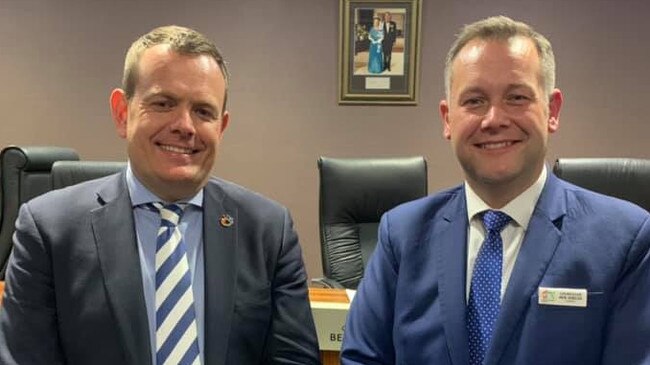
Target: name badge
(563, 297)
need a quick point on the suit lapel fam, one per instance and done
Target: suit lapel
(452, 235)
(220, 248)
(537, 250)
(114, 231)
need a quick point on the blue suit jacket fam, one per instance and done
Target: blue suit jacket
(74, 289)
(410, 306)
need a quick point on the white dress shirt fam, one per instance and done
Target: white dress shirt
(520, 209)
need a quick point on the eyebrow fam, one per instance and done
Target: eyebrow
(509, 88)
(520, 86)
(168, 95)
(156, 94)
(473, 89)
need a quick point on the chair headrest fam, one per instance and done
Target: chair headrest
(624, 178)
(36, 158)
(361, 190)
(66, 173)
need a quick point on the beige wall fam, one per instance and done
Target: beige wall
(59, 59)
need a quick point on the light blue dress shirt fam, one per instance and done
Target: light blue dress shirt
(146, 226)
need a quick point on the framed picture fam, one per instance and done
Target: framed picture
(379, 51)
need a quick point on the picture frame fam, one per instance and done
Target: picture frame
(379, 46)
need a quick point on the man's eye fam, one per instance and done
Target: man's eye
(471, 102)
(205, 114)
(518, 99)
(161, 104)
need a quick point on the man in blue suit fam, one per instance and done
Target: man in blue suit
(93, 280)
(563, 279)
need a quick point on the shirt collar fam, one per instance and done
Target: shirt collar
(520, 209)
(141, 195)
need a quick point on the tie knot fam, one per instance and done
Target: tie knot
(494, 220)
(171, 213)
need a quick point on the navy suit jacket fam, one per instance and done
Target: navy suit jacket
(74, 290)
(410, 306)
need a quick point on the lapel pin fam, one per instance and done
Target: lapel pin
(226, 220)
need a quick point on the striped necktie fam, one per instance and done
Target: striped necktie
(485, 290)
(176, 329)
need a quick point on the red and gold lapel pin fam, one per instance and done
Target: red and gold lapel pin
(226, 220)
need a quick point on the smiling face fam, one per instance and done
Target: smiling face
(173, 124)
(498, 117)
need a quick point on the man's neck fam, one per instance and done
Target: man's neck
(498, 195)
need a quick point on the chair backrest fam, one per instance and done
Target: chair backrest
(624, 178)
(25, 173)
(66, 173)
(354, 193)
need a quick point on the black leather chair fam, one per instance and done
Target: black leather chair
(624, 178)
(25, 173)
(66, 173)
(354, 193)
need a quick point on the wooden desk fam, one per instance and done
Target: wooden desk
(335, 296)
(330, 357)
(328, 295)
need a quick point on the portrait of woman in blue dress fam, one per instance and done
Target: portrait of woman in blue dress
(376, 56)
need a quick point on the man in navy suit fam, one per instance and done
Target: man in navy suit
(390, 35)
(573, 266)
(82, 282)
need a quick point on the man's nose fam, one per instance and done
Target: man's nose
(184, 124)
(496, 117)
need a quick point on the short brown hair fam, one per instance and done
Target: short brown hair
(503, 28)
(182, 40)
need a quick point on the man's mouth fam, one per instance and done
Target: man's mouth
(494, 145)
(176, 149)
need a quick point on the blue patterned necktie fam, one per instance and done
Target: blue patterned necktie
(485, 290)
(176, 329)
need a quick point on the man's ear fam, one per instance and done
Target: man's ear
(554, 106)
(225, 119)
(223, 124)
(119, 111)
(444, 114)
